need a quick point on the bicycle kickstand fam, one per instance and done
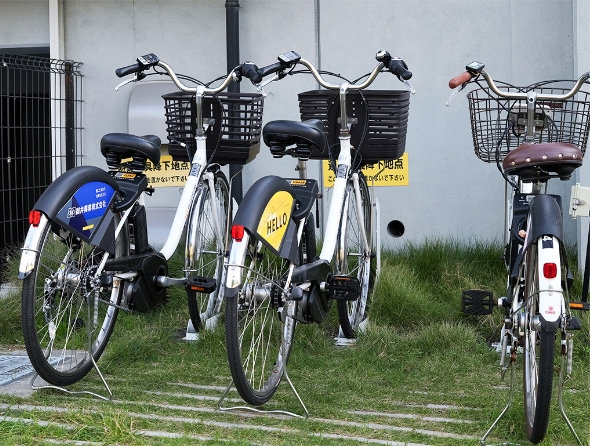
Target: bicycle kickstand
(510, 399)
(562, 381)
(253, 409)
(80, 392)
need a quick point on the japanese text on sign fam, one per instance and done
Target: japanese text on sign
(168, 173)
(383, 173)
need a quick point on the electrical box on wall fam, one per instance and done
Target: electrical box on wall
(580, 201)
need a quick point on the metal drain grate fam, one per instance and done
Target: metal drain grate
(13, 368)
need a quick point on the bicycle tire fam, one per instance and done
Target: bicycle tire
(351, 258)
(253, 326)
(58, 301)
(209, 252)
(538, 353)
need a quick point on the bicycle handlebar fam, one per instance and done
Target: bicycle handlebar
(475, 69)
(394, 65)
(251, 71)
(288, 60)
(151, 60)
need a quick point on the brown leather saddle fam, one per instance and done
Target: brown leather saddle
(543, 161)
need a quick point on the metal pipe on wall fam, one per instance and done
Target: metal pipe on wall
(232, 37)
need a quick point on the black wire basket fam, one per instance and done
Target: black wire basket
(234, 138)
(498, 125)
(379, 134)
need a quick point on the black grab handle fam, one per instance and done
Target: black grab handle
(124, 71)
(400, 69)
(143, 63)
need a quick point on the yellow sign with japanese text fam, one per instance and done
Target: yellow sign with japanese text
(275, 218)
(168, 173)
(384, 173)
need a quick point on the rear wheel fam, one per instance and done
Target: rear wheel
(352, 258)
(205, 251)
(539, 352)
(66, 307)
(259, 326)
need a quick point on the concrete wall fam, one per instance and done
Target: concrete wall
(451, 192)
(24, 23)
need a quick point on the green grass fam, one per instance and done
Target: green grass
(419, 350)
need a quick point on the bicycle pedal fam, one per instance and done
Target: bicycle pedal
(580, 306)
(573, 323)
(344, 288)
(477, 302)
(201, 284)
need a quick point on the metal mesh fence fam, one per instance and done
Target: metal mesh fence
(40, 133)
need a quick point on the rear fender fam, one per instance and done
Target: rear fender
(545, 218)
(31, 248)
(545, 226)
(550, 293)
(79, 201)
(266, 212)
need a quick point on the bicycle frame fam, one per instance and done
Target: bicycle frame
(344, 165)
(337, 202)
(198, 164)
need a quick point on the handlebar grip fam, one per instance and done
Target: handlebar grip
(399, 68)
(265, 71)
(250, 71)
(124, 71)
(460, 80)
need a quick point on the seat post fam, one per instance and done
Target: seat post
(302, 169)
(530, 126)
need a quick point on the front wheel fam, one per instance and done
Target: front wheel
(353, 258)
(539, 352)
(259, 330)
(68, 312)
(205, 250)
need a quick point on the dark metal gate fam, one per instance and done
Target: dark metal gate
(40, 133)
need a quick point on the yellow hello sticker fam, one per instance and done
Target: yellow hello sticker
(275, 218)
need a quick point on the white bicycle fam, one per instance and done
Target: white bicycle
(87, 255)
(274, 276)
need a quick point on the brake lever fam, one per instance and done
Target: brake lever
(407, 84)
(454, 94)
(404, 81)
(134, 79)
(138, 76)
(261, 85)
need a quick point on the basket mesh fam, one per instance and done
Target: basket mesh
(497, 124)
(233, 138)
(380, 133)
